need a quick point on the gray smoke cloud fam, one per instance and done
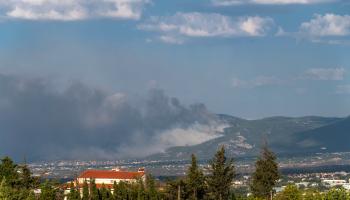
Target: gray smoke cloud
(40, 121)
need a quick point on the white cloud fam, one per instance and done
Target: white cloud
(69, 10)
(268, 2)
(171, 40)
(343, 89)
(335, 74)
(326, 25)
(195, 24)
(331, 29)
(259, 81)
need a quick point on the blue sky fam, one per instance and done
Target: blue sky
(248, 58)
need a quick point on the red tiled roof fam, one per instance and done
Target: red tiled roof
(110, 174)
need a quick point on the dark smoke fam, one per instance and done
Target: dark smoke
(39, 121)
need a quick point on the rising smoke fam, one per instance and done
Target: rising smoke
(39, 121)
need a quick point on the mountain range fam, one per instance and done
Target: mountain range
(284, 135)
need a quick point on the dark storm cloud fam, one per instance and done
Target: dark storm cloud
(41, 122)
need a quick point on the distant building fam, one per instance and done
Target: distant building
(332, 183)
(346, 186)
(108, 177)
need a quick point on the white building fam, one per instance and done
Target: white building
(108, 177)
(332, 182)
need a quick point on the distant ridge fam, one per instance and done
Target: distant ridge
(286, 135)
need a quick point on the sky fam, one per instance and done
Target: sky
(246, 58)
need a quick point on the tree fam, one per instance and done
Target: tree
(25, 178)
(151, 188)
(85, 191)
(8, 170)
(312, 195)
(120, 191)
(104, 193)
(74, 194)
(140, 190)
(47, 191)
(4, 190)
(266, 174)
(221, 176)
(31, 196)
(336, 194)
(291, 192)
(93, 191)
(195, 180)
(176, 189)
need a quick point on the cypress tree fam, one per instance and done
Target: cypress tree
(140, 190)
(151, 188)
(104, 193)
(120, 191)
(222, 172)
(195, 180)
(74, 194)
(93, 191)
(176, 189)
(85, 191)
(266, 174)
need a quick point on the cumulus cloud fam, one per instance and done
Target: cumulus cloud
(68, 10)
(326, 25)
(268, 2)
(334, 74)
(175, 28)
(80, 122)
(331, 29)
(259, 81)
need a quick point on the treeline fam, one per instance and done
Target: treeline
(16, 181)
(140, 190)
(215, 184)
(291, 192)
(18, 184)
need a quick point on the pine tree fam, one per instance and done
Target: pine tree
(195, 180)
(25, 178)
(221, 176)
(85, 191)
(8, 169)
(266, 174)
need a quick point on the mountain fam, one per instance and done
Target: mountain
(243, 137)
(330, 138)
